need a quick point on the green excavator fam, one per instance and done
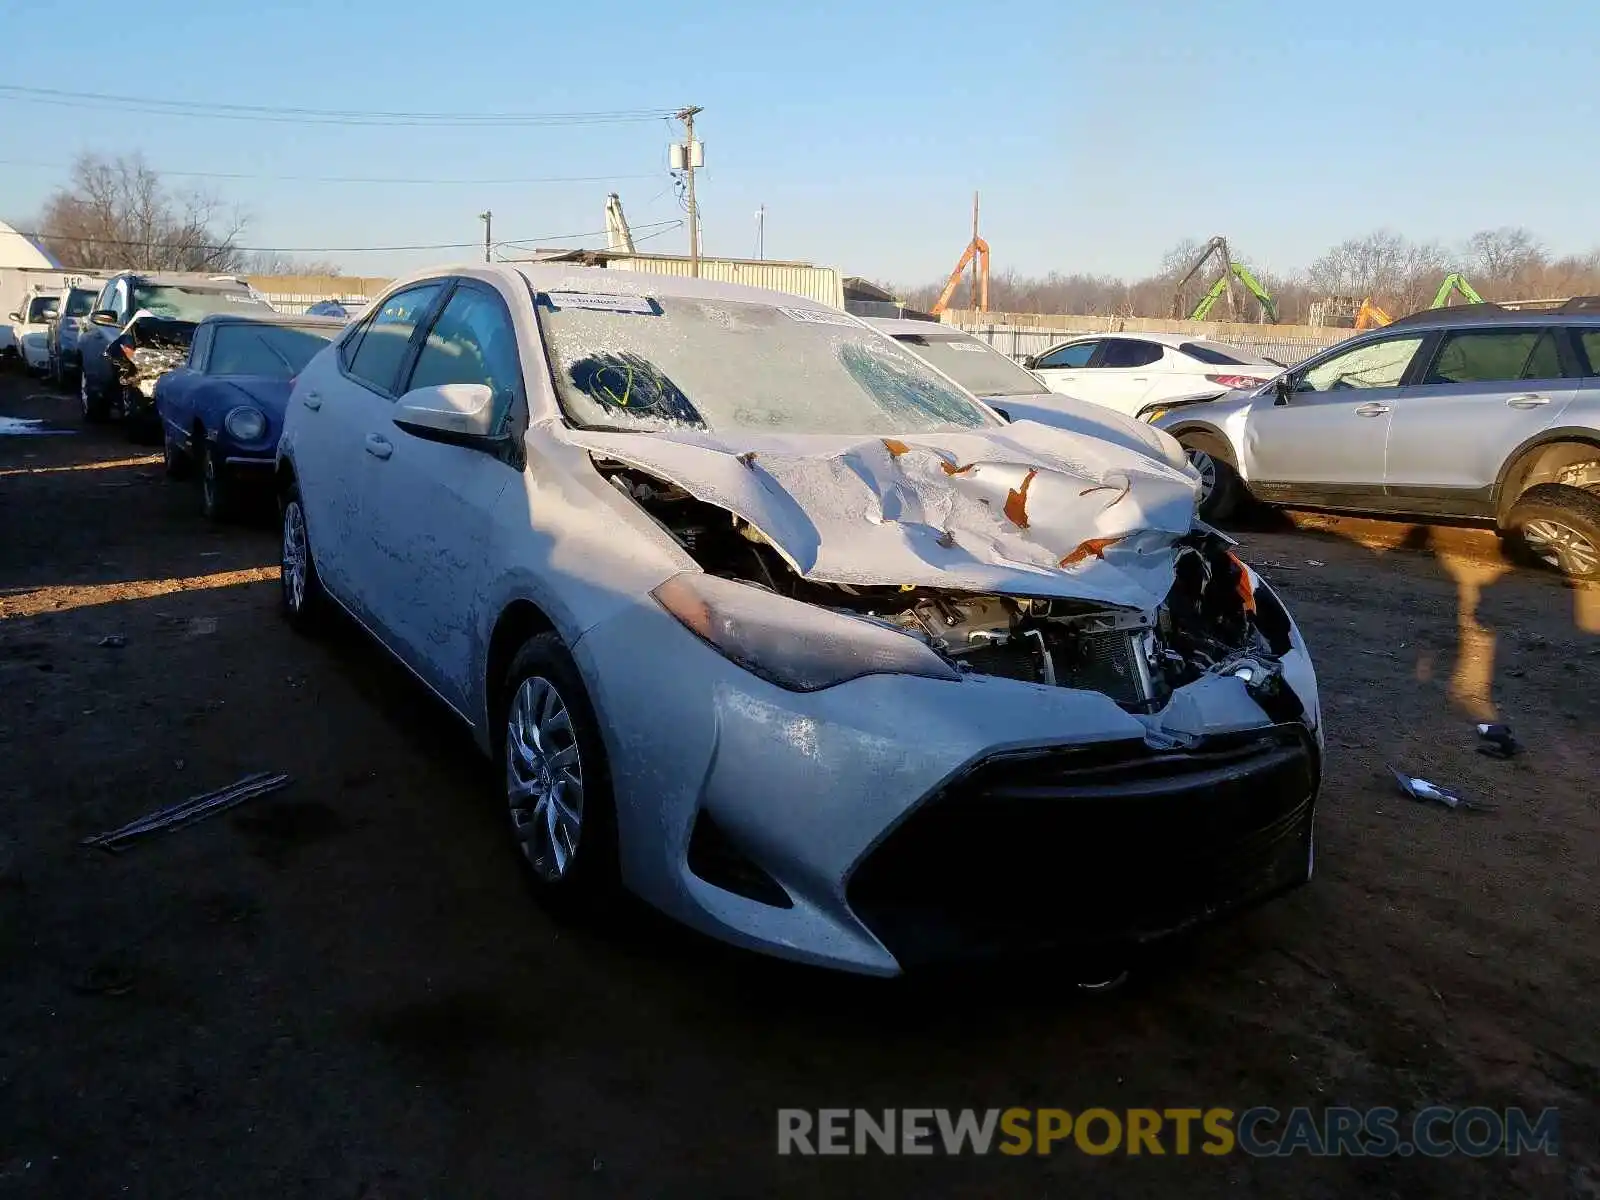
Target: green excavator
(1217, 248)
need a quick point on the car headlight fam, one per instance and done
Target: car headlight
(796, 646)
(245, 423)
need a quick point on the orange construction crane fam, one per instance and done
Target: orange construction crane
(1370, 316)
(976, 255)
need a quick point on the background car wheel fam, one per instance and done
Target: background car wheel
(1557, 526)
(174, 460)
(216, 489)
(304, 603)
(557, 781)
(96, 408)
(1221, 489)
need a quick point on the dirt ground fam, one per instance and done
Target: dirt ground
(344, 990)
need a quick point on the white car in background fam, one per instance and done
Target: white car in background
(1016, 393)
(1135, 372)
(30, 328)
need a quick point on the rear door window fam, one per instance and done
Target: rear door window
(1075, 354)
(1129, 352)
(1589, 343)
(1495, 356)
(378, 355)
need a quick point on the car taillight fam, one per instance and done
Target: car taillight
(1233, 381)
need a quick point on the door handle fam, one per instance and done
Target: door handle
(379, 447)
(1530, 400)
(1372, 410)
(312, 401)
(1139, 379)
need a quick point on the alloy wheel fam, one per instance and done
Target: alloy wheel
(1207, 466)
(296, 554)
(1561, 546)
(544, 778)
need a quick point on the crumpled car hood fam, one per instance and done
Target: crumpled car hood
(1023, 510)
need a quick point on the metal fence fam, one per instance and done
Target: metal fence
(296, 303)
(1290, 346)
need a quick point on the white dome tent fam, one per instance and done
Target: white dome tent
(18, 251)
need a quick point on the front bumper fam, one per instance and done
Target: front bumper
(902, 820)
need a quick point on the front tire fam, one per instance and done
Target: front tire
(1221, 489)
(217, 501)
(304, 602)
(1557, 526)
(557, 781)
(96, 408)
(174, 459)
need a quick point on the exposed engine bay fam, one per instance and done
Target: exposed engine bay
(1214, 622)
(147, 349)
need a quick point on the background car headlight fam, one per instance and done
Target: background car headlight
(796, 646)
(245, 423)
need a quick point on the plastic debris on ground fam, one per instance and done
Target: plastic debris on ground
(187, 812)
(1496, 741)
(1421, 789)
(113, 641)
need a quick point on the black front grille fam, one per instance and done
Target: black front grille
(1091, 847)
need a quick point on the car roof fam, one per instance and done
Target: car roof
(268, 318)
(1580, 310)
(899, 326)
(613, 281)
(216, 282)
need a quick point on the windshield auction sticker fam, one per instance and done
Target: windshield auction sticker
(641, 306)
(817, 316)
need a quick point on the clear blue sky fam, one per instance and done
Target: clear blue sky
(1098, 134)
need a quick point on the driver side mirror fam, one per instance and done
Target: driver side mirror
(105, 316)
(458, 414)
(14, 316)
(1030, 361)
(1282, 389)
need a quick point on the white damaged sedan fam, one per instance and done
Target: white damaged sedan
(771, 623)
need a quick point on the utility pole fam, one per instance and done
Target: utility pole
(488, 227)
(972, 288)
(761, 232)
(687, 157)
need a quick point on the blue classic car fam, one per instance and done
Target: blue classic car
(221, 411)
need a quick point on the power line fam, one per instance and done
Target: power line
(374, 179)
(148, 242)
(320, 116)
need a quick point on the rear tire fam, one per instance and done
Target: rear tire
(305, 604)
(557, 782)
(1557, 526)
(1221, 489)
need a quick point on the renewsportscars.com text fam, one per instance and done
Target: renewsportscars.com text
(1262, 1132)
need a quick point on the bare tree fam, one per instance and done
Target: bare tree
(277, 262)
(117, 212)
(1500, 256)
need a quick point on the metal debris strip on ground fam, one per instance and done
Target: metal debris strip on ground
(187, 812)
(1421, 789)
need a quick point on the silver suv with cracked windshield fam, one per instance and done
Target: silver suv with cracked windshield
(774, 625)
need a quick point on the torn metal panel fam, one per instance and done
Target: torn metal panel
(147, 348)
(1025, 509)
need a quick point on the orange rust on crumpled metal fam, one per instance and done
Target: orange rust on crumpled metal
(1093, 548)
(1017, 502)
(1246, 589)
(895, 449)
